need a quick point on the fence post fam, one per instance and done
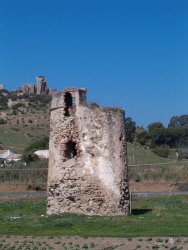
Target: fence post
(130, 203)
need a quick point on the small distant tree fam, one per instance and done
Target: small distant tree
(130, 129)
(15, 112)
(179, 122)
(3, 102)
(2, 121)
(143, 138)
(18, 105)
(28, 155)
(39, 144)
(154, 126)
(162, 151)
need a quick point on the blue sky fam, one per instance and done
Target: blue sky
(128, 53)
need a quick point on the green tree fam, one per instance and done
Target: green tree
(162, 151)
(39, 144)
(4, 95)
(28, 155)
(130, 129)
(143, 138)
(154, 126)
(179, 122)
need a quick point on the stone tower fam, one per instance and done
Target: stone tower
(41, 85)
(87, 157)
(28, 88)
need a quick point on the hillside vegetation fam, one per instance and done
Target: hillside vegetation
(23, 119)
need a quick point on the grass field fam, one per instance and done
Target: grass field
(139, 155)
(17, 138)
(159, 216)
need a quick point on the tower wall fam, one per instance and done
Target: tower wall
(87, 157)
(41, 85)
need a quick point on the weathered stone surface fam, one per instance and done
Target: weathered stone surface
(40, 88)
(41, 85)
(87, 157)
(28, 88)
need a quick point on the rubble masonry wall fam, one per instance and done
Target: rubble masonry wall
(92, 178)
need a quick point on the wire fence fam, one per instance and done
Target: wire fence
(175, 171)
(176, 163)
(36, 177)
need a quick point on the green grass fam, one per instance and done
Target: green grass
(139, 155)
(159, 216)
(18, 138)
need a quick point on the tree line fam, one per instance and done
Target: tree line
(160, 139)
(156, 137)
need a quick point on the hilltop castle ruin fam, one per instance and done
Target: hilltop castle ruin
(40, 88)
(87, 157)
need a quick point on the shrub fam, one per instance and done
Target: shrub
(3, 102)
(94, 104)
(137, 178)
(2, 121)
(162, 151)
(14, 112)
(29, 157)
(18, 105)
(39, 144)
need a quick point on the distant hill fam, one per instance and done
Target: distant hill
(23, 119)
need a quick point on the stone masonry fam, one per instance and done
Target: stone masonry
(39, 89)
(41, 85)
(87, 157)
(28, 88)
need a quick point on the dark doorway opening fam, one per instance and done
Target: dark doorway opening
(70, 150)
(68, 103)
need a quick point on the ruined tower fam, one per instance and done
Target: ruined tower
(28, 88)
(87, 157)
(41, 85)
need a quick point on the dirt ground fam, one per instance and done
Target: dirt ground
(134, 187)
(7, 187)
(78, 243)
